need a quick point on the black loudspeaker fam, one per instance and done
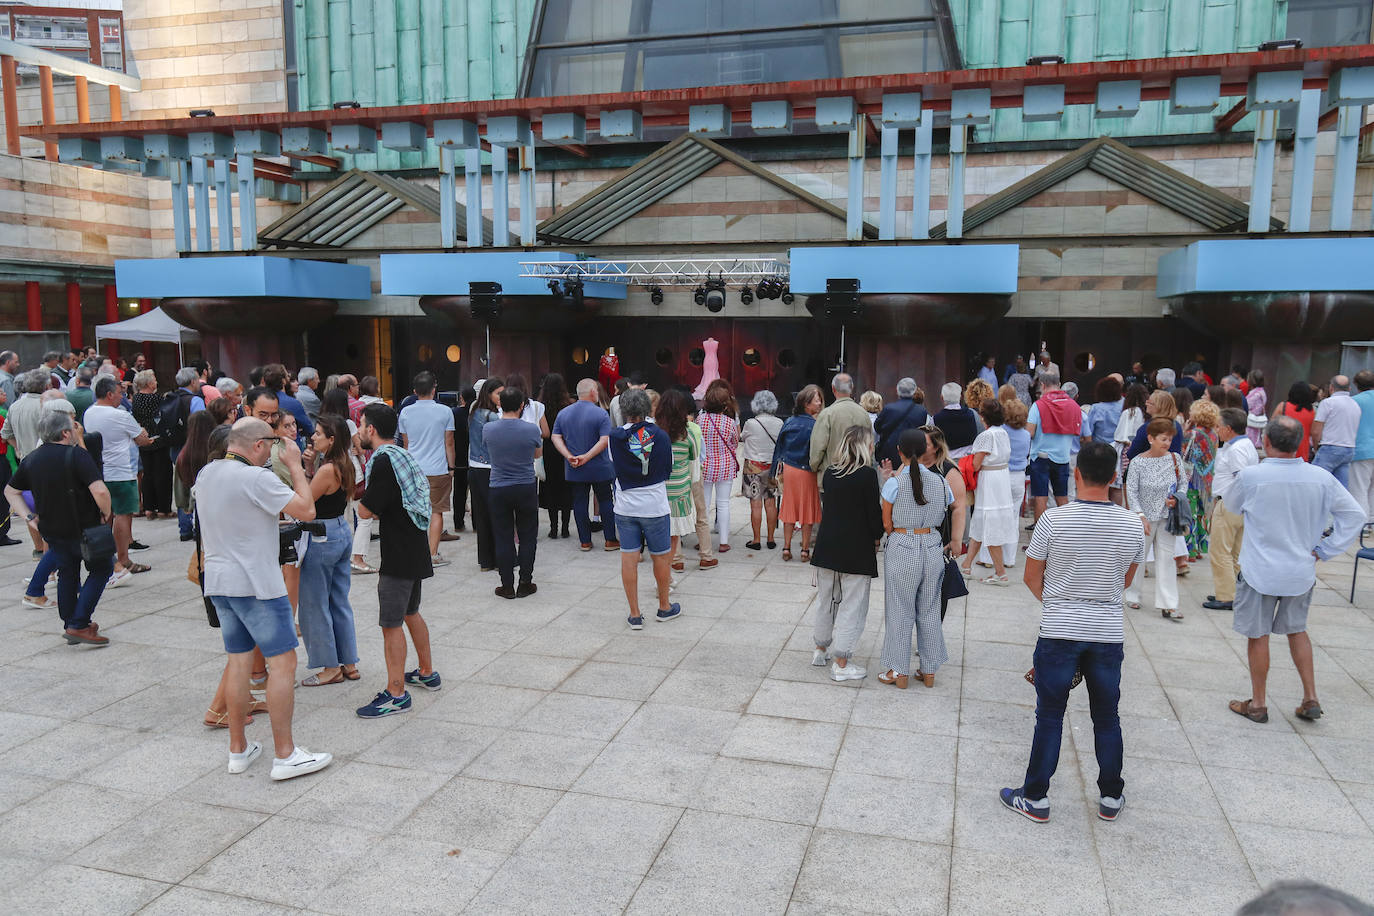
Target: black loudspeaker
(842, 298)
(485, 300)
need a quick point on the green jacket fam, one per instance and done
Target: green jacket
(831, 425)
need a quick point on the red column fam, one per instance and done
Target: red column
(34, 304)
(74, 313)
(111, 316)
(144, 307)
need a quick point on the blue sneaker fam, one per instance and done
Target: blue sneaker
(636, 623)
(1109, 808)
(384, 704)
(428, 681)
(1015, 799)
(674, 611)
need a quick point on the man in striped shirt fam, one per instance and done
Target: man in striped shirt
(1078, 563)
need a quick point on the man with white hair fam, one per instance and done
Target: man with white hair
(21, 423)
(309, 380)
(581, 434)
(1165, 378)
(958, 423)
(834, 421)
(896, 418)
(120, 433)
(1334, 429)
(233, 390)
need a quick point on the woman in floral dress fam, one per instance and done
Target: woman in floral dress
(1200, 452)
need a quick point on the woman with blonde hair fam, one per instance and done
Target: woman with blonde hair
(1200, 452)
(801, 495)
(975, 393)
(1006, 394)
(872, 402)
(851, 526)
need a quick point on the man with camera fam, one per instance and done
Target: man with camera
(238, 500)
(398, 494)
(72, 506)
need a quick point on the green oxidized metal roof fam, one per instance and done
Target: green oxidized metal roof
(1004, 33)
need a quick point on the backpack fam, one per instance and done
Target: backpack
(172, 416)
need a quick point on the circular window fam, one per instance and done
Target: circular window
(786, 359)
(664, 356)
(454, 353)
(697, 356)
(351, 351)
(579, 355)
(1084, 362)
(426, 353)
(751, 357)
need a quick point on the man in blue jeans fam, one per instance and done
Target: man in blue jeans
(1081, 628)
(1054, 422)
(69, 497)
(581, 434)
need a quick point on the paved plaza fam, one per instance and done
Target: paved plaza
(700, 766)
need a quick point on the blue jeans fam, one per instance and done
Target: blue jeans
(1336, 459)
(654, 534)
(605, 496)
(76, 600)
(1055, 662)
(245, 622)
(326, 617)
(41, 573)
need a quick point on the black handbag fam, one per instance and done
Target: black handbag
(97, 541)
(954, 585)
(211, 614)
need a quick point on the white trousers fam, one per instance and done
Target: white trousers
(1166, 573)
(719, 493)
(362, 535)
(1362, 485)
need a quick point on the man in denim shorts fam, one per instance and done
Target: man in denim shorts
(643, 459)
(237, 501)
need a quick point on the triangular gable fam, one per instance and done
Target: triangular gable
(653, 178)
(349, 206)
(1217, 211)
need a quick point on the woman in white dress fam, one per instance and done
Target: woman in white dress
(994, 511)
(1132, 418)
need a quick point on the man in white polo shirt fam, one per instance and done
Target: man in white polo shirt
(120, 433)
(426, 431)
(1334, 428)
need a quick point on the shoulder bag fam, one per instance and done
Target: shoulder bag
(97, 541)
(1179, 517)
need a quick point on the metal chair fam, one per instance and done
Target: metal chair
(1364, 553)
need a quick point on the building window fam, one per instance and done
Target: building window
(1327, 23)
(593, 46)
(293, 95)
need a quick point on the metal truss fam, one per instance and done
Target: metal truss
(662, 271)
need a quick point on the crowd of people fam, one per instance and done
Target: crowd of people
(284, 481)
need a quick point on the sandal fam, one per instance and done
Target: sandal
(752, 545)
(351, 675)
(139, 567)
(257, 706)
(927, 679)
(787, 554)
(1133, 605)
(806, 555)
(1170, 615)
(1253, 713)
(221, 719)
(361, 569)
(772, 545)
(314, 680)
(896, 680)
(1310, 710)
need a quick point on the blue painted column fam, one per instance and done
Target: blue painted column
(854, 209)
(1343, 181)
(181, 214)
(200, 188)
(958, 146)
(1304, 161)
(248, 203)
(472, 186)
(1262, 177)
(224, 204)
(500, 197)
(527, 207)
(887, 192)
(920, 178)
(448, 198)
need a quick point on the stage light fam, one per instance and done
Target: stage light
(787, 298)
(746, 296)
(713, 296)
(554, 288)
(484, 300)
(655, 295)
(573, 290)
(699, 296)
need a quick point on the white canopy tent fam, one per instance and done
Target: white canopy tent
(156, 325)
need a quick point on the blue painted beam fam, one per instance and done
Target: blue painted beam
(907, 268)
(1266, 265)
(443, 274)
(295, 278)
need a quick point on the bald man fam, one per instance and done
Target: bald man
(834, 421)
(1334, 429)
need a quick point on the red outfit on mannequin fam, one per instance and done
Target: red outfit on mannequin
(609, 370)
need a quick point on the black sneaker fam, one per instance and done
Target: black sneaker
(137, 545)
(188, 537)
(525, 589)
(1110, 808)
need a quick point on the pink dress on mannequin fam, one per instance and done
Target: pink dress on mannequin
(710, 367)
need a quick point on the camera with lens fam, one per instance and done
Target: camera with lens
(289, 534)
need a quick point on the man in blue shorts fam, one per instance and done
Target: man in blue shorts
(237, 501)
(643, 459)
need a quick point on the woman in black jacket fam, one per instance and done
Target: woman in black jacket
(846, 552)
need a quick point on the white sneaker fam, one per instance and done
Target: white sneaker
(240, 762)
(124, 577)
(819, 657)
(299, 763)
(850, 672)
(437, 560)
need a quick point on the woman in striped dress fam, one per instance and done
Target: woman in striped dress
(914, 502)
(671, 417)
